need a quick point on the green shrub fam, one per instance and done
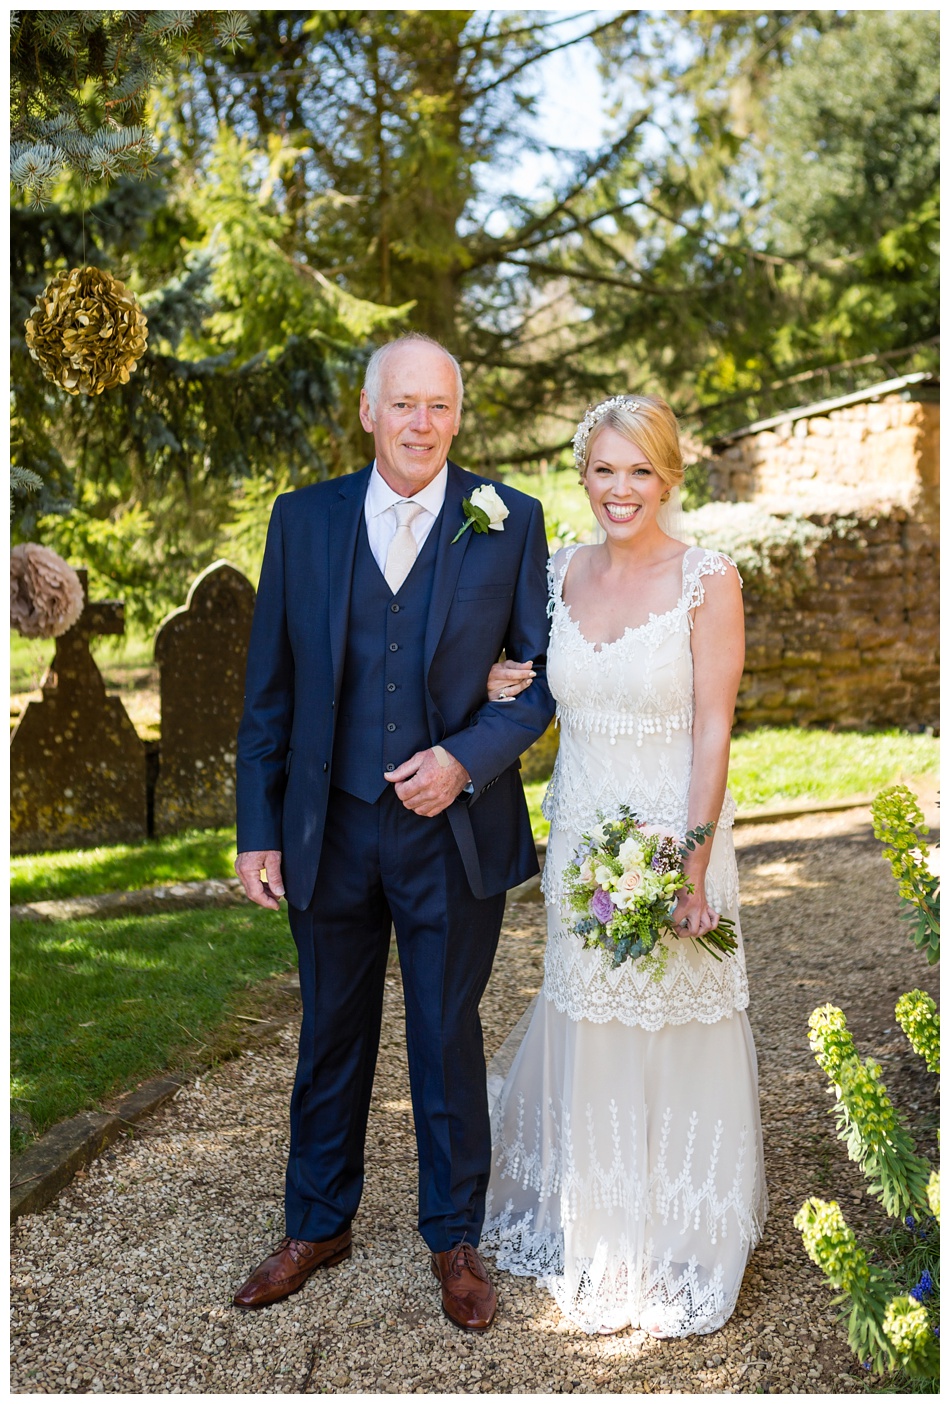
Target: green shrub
(775, 555)
(892, 1307)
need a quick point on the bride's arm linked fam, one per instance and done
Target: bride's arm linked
(507, 678)
(718, 647)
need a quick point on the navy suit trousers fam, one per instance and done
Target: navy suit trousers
(383, 866)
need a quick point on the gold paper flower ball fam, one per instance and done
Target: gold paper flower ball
(87, 331)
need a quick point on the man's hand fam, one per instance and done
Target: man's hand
(250, 866)
(428, 783)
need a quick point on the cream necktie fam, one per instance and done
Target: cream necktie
(402, 549)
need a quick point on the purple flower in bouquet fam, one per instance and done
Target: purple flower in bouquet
(601, 906)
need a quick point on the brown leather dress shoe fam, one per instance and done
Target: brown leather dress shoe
(468, 1298)
(289, 1266)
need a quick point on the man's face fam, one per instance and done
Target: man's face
(416, 418)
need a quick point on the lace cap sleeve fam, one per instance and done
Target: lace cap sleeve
(697, 563)
(557, 566)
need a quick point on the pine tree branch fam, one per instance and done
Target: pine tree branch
(797, 260)
(517, 68)
(802, 376)
(476, 46)
(588, 275)
(575, 227)
(501, 247)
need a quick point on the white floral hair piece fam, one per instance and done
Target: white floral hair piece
(592, 418)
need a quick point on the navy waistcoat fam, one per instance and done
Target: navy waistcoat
(381, 714)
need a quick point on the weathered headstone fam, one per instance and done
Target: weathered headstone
(77, 766)
(201, 651)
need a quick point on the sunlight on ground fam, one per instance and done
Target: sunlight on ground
(767, 881)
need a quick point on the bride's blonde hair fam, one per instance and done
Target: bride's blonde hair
(649, 423)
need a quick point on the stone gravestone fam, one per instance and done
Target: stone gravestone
(201, 651)
(77, 766)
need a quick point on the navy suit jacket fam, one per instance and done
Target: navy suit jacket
(489, 593)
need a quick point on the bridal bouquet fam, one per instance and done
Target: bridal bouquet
(623, 883)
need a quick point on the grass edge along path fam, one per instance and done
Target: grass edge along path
(98, 1006)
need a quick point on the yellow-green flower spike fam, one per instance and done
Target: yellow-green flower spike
(831, 1245)
(830, 1039)
(918, 1017)
(907, 1326)
(933, 1194)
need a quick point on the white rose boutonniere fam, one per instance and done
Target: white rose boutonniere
(484, 511)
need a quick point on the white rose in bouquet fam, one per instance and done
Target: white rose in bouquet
(631, 853)
(629, 887)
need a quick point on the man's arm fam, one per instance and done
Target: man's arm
(506, 729)
(264, 733)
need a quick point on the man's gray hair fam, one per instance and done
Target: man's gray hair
(372, 381)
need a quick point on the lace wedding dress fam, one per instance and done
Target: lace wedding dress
(627, 1146)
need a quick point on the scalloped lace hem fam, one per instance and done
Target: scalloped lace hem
(611, 1290)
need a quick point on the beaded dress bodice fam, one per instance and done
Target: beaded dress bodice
(625, 713)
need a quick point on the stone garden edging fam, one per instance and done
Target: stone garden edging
(39, 1173)
(210, 892)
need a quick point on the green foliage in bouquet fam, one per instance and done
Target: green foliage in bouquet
(892, 1308)
(900, 826)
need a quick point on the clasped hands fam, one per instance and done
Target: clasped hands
(426, 783)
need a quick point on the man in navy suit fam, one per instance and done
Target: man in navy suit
(378, 787)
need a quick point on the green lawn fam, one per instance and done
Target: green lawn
(563, 499)
(96, 1006)
(774, 764)
(187, 857)
(767, 767)
(29, 658)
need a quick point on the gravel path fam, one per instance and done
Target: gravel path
(122, 1286)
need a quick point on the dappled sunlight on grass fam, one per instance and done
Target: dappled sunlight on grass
(773, 764)
(777, 764)
(562, 499)
(192, 856)
(97, 1006)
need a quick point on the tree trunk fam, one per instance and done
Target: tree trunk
(427, 262)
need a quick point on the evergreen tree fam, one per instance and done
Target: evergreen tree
(385, 119)
(80, 82)
(785, 244)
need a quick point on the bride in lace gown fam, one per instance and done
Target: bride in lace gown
(627, 1146)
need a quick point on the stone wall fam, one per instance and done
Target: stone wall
(860, 455)
(859, 649)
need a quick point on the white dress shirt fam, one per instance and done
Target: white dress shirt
(381, 525)
(381, 519)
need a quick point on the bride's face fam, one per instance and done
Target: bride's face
(623, 486)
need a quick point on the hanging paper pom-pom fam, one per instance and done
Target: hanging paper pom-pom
(46, 595)
(87, 331)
